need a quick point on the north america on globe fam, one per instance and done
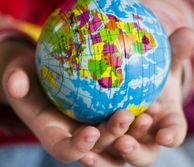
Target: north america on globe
(95, 57)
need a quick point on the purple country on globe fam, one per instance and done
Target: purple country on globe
(95, 57)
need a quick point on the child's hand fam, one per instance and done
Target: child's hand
(170, 124)
(65, 139)
(111, 151)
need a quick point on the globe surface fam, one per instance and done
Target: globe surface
(95, 57)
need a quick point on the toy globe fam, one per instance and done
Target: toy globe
(95, 57)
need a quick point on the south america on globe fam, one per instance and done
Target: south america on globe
(95, 57)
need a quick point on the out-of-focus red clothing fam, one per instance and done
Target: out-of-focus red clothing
(9, 119)
(33, 11)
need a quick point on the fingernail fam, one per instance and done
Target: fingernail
(91, 139)
(169, 141)
(124, 125)
(90, 162)
(17, 84)
(143, 128)
(128, 150)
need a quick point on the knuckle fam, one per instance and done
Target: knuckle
(117, 129)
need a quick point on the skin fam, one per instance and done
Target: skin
(127, 140)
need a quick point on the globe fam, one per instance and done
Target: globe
(95, 57)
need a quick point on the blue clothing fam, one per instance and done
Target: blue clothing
(34, 156)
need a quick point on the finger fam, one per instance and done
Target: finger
(182, 43)
(172, 130)
(11, 50)
(93, 159)
(141, 126)
(73, 148)
(18, 84)
(154, 109)
(135, 153)
(114, 128)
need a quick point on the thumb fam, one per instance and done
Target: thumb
(182, 44)
(18, 84)
(16, 78)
